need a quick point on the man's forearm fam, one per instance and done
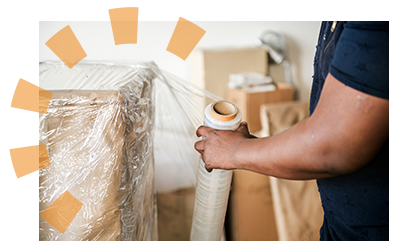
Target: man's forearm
(296, 153)
(339, 138)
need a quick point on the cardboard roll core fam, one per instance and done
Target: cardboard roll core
(223, 111)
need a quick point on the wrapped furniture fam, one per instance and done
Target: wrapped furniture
(99, 132)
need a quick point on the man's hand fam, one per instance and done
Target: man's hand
(219, 147)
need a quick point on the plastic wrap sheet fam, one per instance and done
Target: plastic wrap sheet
(212, 189)
(112, 130)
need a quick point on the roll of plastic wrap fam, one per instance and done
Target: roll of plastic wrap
(212, 189)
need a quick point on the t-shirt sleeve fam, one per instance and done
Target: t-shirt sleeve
(361, 59)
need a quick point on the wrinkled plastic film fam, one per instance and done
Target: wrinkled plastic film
(99, 137)
(113, 131)
(180, 107)
(212, 190)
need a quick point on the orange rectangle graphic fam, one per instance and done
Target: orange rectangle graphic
(27, 160)
(44, 100)
(67, 47)
(26, 96)
(185, 38)
(124, 14)
(44, 160)
(124, 23)
(125, 32)
(62, 212)
(30, 97)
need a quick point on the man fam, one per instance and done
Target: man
(344, 144)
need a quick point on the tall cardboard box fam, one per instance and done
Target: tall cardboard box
(250, 103)
(250, 211)
(174, 214)
(210, 68)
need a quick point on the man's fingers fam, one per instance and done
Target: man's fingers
(202, 131)
(199, 146)
(205, 165)
(208, 168)
(243, 127)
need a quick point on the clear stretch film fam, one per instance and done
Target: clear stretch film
(212, 190)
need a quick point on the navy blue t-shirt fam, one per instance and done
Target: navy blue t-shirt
(356, 206)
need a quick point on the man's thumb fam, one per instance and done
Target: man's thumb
(243, 127)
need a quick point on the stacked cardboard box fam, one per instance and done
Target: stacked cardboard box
(250, 103)
(250, 214)
(211, 67)
(174, 214)
(251, 211)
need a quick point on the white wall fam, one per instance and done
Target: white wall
(153, 37)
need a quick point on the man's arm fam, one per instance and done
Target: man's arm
(345, 132)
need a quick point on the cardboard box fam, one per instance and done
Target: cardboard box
(250, 103)
(250, 215)
(87, 136)
(297, 204)
(211, 68)
(174, 214)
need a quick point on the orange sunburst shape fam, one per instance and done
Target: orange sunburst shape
(65, 45)
(28, 96)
